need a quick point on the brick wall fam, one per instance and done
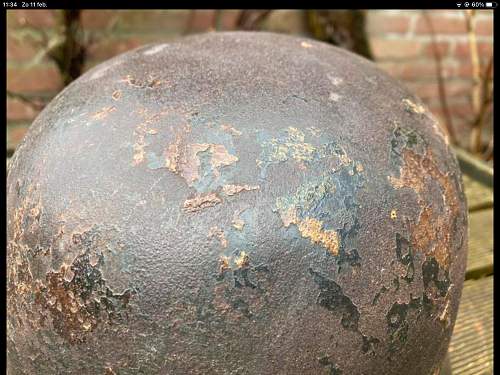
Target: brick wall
(400, 40)
(403, 46)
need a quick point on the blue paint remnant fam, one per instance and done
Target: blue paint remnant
(154, 162)
(291, 144)
(330, 199)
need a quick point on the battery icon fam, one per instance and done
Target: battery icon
(491, 5)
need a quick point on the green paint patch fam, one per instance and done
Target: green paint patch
(304, 209)
(292, 145)
(154, 162)
(324, 209)
(308, 196)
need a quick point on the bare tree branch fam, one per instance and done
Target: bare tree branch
(475, 138)
(440, 80)
(482, 93)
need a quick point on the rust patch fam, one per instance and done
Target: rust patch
(432, 232)
(313, 229)
(25, 222)
(140, 134)
(243, 260)
(230, 130)
(201, 202)
(234, 263)
(300, 209)
(117, 94)
(294, 146)
(223, 264)
(237, 222)
(219, 234)
(236, 189)
(149, 83)
(187, 164)
(220, 157)
(184, 160)
(79, 302)
(289, 216)
(103, 113)
(172, 157)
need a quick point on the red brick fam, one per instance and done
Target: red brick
(460, 113)
(18, 50)
(153, 20)
(458, 106)
(395, 49)
(98, 19)
(229, 19)
(31, 17)
(458, 88)
(484, 27)
(441, 24)
(408, 72)
(204, 20)
(465, 70)
(418, 70)
(485, 50)
(463, 110)
(443, 48)
(36, 79)
(430, 90)
(18, 110)
(201, 20)
(380, 22)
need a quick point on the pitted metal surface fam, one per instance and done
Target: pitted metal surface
(234, 203)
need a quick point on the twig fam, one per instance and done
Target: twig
(482, 93)
(441, 86)
(487, 96)
(475, 137)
